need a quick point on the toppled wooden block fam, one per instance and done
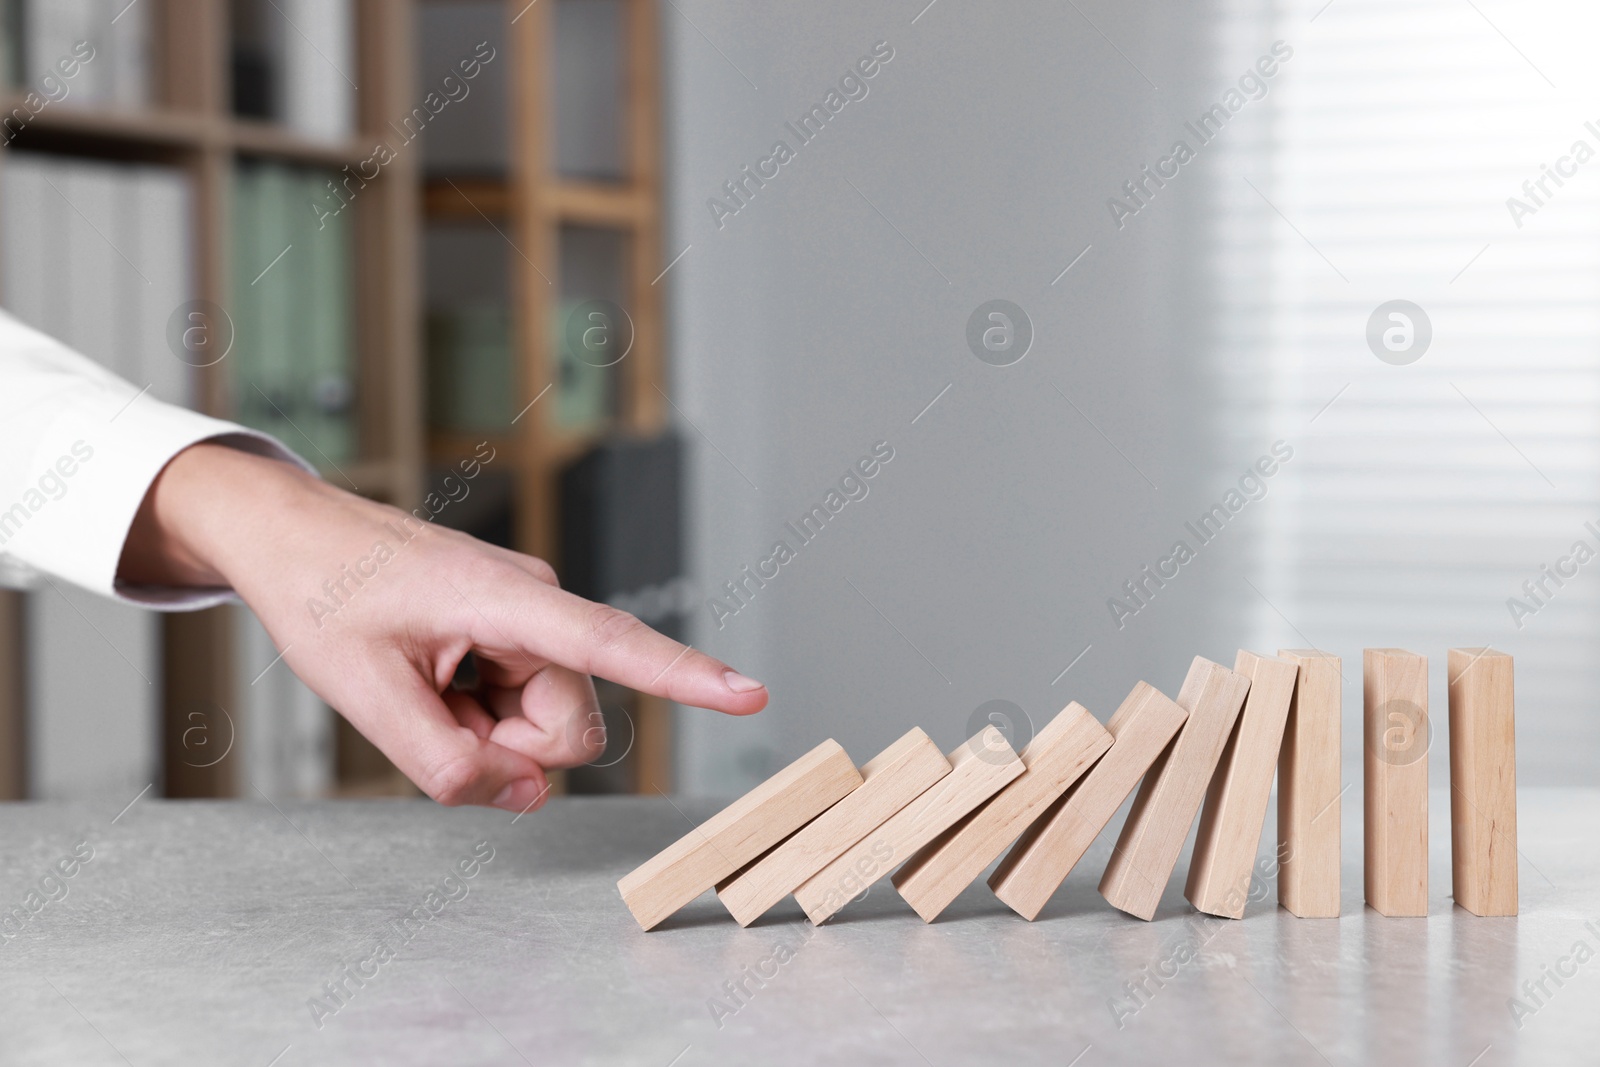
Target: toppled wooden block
(1309, 789)
(1056, 757)
(1052, 846)
(1236, 803)
(739, 833)
(1395, 697)
(891, 780)
(1483, 781)
(1170, 796)
(980, 768)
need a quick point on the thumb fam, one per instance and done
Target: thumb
(447, 759)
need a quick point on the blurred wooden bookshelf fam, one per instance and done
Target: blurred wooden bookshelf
(529, 204)
(189, 124)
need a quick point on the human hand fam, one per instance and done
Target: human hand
(412, 599)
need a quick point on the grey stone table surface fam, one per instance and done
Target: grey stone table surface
(217, 933)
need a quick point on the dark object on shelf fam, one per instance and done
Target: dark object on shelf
(252, 83)
(621, 535)
(254, 68)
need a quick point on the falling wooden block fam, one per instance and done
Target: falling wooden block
(1309, 789)
(739, 833)
(1236, 803)
(1395, 699)
(1483, 781)
(1052, 846)
(1165, 807)
(891, 780)
(978, 769)
(1056, 757)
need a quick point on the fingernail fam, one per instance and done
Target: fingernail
(519, 795)
(739, 683)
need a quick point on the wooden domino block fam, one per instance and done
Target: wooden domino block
(981, 767)
(1236, 803)
(1483, 781)
(1309, 789)
(739, 833)
(1053, 760)
(1395, 700)
(1170, 796)
(891, 780)
(1052, 846)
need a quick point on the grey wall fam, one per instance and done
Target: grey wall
(807, 328)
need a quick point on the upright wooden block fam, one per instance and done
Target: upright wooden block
(739, 833)
(1483, 781)
(1056, 757)
(1395, 699)
(1236, 803)
(1165, 808)
(1309, 789)
(1052, 846)
(891, 780)
(979, 768)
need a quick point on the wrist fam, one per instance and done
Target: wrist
(205, 511)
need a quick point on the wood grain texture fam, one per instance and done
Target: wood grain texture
(1236, 802)
(1042, 857)
(890, 780)
(1057, 756)
(1309, 789)
(1147, 850)
(1483, 781)
(13, 699)
(979, 768)
(738, 833)
(1395, 721)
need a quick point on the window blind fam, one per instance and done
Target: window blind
(1422, 496)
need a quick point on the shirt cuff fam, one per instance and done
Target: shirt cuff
(87, 478)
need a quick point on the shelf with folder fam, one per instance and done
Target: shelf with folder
(184, 121)
(476, 387)
(292, 371)
(60, 218)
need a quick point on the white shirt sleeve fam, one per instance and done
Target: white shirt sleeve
(79, 448)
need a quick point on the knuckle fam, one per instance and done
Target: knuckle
(487, 570)
(543, 571)
(514, 570)
(610, 627)
(487, 580)
(453, 782)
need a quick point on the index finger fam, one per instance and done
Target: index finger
(600, 640)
